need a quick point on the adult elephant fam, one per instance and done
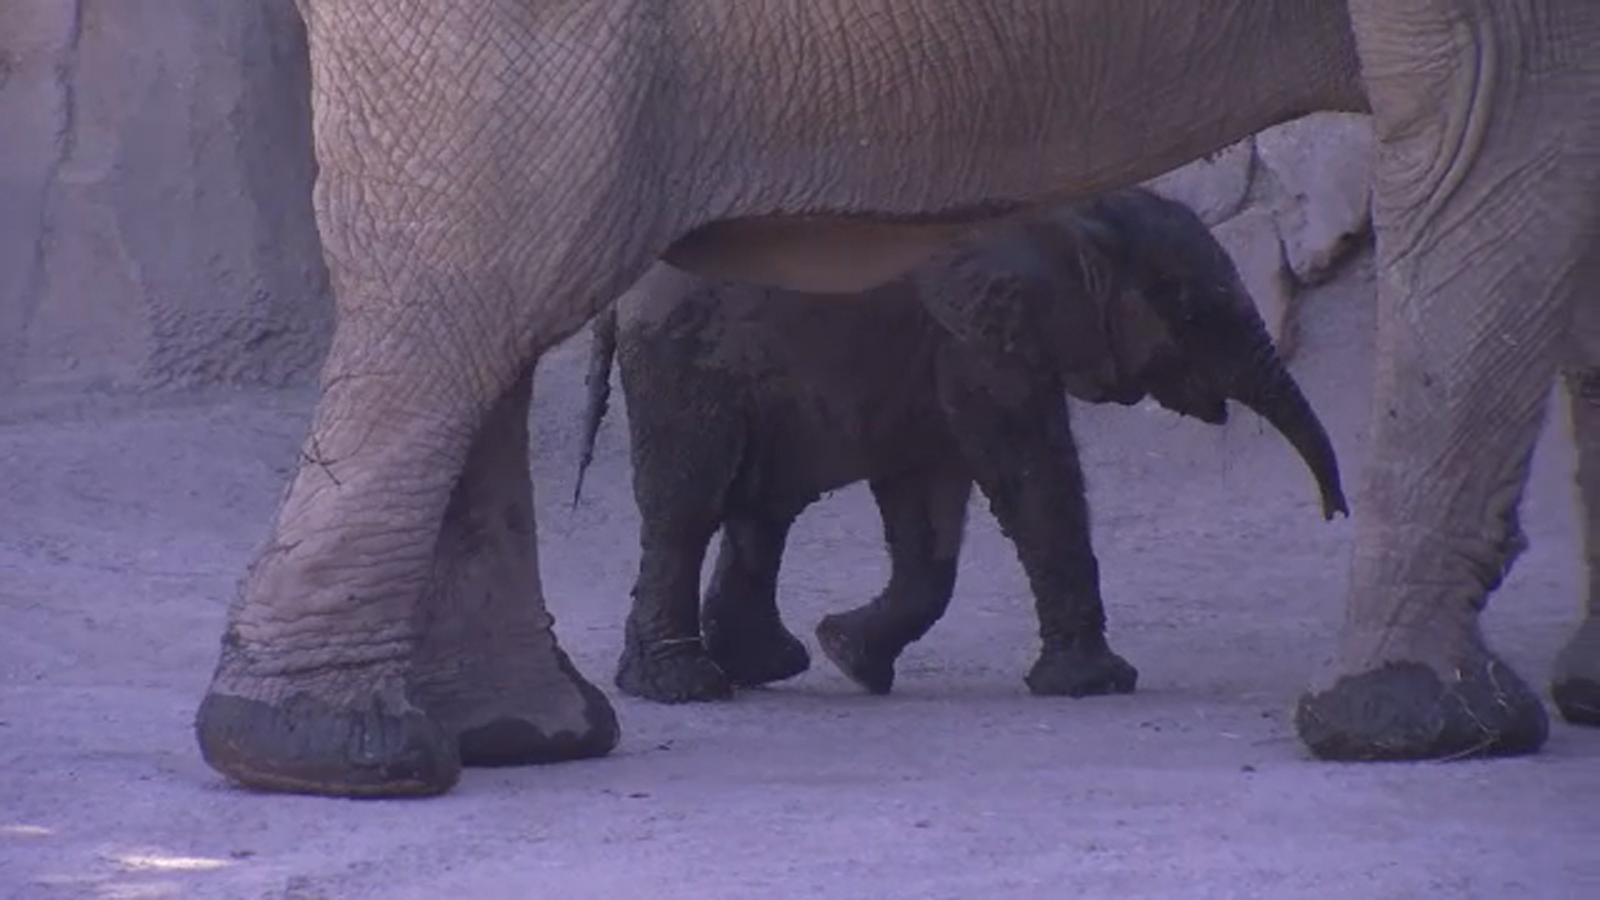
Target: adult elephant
(492, 173)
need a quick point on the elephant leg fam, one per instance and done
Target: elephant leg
(924, 514)
(686, 446)
(1485, 208)
(743, 630)
(1575, 686)
(315, 689)
(456, 258)
(663, 658)
(312, 691)
(1013, 430)
(489, 669)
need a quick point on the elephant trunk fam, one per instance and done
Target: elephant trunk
(598, 381)
(1271, 392)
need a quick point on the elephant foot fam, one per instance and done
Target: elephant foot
(843, 638)
(1576, 683)
(754, 654)
(1405, 711)
(1081, 671)
(554, 717)
(673, 671)
(376, 745)
(1578, 700)
(1575, 688)
(511, 739)
(581, 727)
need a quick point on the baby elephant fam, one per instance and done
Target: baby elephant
(746, 404)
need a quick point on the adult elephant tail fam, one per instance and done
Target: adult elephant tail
(602, 350)
(1271, 392)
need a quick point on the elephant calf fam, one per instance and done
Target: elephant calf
(746, 404)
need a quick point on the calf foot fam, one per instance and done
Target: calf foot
(1575, 688)
(844, 640)
(671, 671)
(1079, 670)
(753, 654)
(351, 734)
(1405, 710)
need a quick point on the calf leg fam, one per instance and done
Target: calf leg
(1013, 428)
(743, 630)
(924, 515)
(662, 657)
(686, 441)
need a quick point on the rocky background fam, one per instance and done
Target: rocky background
(1292, 205)
(155, 216)
(155, 221)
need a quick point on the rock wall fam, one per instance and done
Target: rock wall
(155, 219)
(1292, 205)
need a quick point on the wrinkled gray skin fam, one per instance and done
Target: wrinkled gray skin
(747, 404)
(491, 174)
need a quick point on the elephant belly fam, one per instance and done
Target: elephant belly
(819, 392)
(797, 451)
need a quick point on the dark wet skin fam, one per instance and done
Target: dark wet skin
(747, 404)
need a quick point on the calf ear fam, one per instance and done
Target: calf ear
(1098, 230)
(1137, 333)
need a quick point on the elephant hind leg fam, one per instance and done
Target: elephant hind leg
(489, 668)
(687, 444)
(1575, 685)
(313, 689)
(366, 657)
(924, 514)
(663, 657)
(739, 619)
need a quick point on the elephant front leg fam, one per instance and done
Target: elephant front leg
(1484, 210)
(1013, 430)
(924, 514)
(489, 667)
(1575, 686)
(1412, 676)
(743, 630)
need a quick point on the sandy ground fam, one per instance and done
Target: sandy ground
(124, 522)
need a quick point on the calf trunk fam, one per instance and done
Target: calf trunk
(1272, 393)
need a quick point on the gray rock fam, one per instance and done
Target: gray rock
(155, 213)
(1214, 188)
(1322, 166)
(1251, 238)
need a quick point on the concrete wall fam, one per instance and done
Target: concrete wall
(155, 221)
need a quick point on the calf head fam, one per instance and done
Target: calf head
(1174, 320)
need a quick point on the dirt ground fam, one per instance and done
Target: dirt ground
(125, 521)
